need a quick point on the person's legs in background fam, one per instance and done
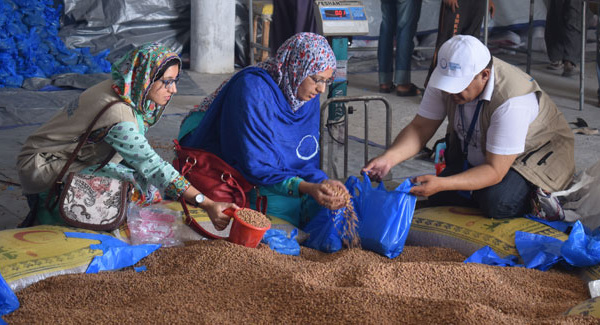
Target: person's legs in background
(598, 61)
(572, 36)
(289, 18)
(385, 45)
(305, 17)
(281, 24)
(407, 13)
(563, 35)
(553, 34)
(594, 9)
(446, 29)
(465, 20)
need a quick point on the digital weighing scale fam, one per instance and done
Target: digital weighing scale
(339, 20)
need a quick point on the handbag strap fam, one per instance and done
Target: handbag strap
(194, 224)
(88, 131)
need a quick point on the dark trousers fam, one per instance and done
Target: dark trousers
(465, 21)
(399, 20)
(32, 202)
(290, 17)
(509, 198)
(563, 30)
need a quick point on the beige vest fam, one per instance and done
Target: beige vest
(548, 160)
(46, 150)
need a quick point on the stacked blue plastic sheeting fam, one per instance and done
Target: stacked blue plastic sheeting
(30, 46)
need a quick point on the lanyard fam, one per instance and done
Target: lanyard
(469, 134)
(467, 139)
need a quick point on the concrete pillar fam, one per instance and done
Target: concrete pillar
(212, 36)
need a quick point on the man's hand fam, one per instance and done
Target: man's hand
(487, 174)
(215, 212)
(377, 168)
(427, 185)
(452, 4)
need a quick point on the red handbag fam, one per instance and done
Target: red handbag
(214, 177)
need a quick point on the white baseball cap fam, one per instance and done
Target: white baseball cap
(459, 60)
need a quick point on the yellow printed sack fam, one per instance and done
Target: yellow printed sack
(31, 254)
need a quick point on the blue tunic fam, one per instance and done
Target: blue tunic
(251, 126)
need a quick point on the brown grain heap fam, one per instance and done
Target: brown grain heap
(349, 230)
(253, 218)
(218, 282)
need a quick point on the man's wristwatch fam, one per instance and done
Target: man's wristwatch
(198, 199)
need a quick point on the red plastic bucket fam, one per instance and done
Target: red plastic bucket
(243, 233)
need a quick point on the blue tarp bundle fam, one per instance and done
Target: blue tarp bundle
(581, 249)
(30, 46)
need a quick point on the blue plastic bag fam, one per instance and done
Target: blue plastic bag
(384, 217)
(278, 241)
(8, 299)
(486, 255)
(581, 249)
(117, 254)
(324, 230)
(538, 251)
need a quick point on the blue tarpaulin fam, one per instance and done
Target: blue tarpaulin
(30, 46)
(117, 254)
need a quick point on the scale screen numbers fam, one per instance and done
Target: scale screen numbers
(335, 13)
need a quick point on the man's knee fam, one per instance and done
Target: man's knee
(503, 205)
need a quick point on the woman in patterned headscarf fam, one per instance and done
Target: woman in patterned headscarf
(264, 122)
(143, 82)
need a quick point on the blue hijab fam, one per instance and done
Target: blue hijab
(251, 126)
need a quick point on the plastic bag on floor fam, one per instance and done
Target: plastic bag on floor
(384, 217)
(154, 225)
(278, 241)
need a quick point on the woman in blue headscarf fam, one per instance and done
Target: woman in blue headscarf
(265, 122)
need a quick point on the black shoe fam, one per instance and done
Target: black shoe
(569, 69)
(386, 88)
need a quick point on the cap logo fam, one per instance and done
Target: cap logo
(443, 64)
(454, 66)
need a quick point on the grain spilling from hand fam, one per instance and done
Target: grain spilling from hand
(218, 282)
(253, 218)
(349, 227)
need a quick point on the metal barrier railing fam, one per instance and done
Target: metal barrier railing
(365, 100)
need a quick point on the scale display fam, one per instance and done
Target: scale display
(336, 13)
(341, 18)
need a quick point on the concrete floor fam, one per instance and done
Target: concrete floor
(363, 81)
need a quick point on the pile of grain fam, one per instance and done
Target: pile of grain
(253, 218)
(349, 226)
(219, 282)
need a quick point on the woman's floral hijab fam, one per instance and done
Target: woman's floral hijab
(300, 56)
(133, 76)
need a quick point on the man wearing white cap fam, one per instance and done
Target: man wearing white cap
(505, 136)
